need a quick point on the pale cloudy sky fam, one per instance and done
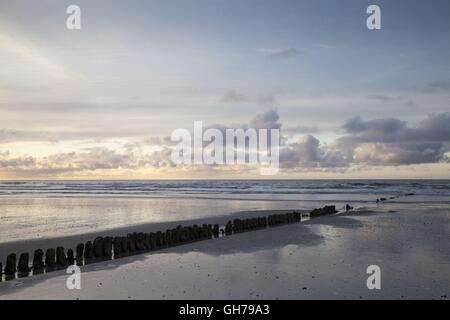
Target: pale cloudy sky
(100, 102)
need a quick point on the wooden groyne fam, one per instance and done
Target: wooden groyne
(108, 248)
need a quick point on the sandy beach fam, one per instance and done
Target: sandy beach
(323, 258)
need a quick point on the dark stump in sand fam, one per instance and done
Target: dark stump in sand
(191, 233)
(228, 228)
(23, 267)
(194, 232)
(38, 261)
(158, 239)
(50, 261)
(10, 268)
(204, 231)
(182, 236)
(70, 257)
(140, 241)
(88, 251)
(125, 248)
(237, 225)
(210, 231)
(169, 239)
(98, 247)
(117, 246)
(216, 230)
(80, 251)
(175, 234)
(61, 259)
(166, 238)
(131, 242)
(152, 240)
(107, 247)
(147, 241)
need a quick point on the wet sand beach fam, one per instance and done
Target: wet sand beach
(324, 258)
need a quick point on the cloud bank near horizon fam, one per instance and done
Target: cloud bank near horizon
(368, 143)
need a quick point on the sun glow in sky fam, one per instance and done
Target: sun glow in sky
(101, 102)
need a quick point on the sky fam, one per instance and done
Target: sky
(102, 102)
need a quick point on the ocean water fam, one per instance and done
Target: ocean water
(39, 209)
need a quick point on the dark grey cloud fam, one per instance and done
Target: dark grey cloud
(374, 143)
(392, 141)
(375, 130)
(435, 127)
(399, 153)
(308, 154)
(266, 120)
(7, 162)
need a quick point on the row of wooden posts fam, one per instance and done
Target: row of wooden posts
(106, 248)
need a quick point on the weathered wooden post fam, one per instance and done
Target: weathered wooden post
(10, 268)
(178, 234)
(98, 247)
(23, 268)
(210, 231)
(88, 251)
(131, 242)
(117, 245)
(80, 253)
(50, 261)
(169, 237)
(140, 241)
(152, 240)
(38, 261)
(228, 228)
(191, 234)
(125, 248)
(107, 247)
(70, 257)
(147, 241)
(216, 230)
(158, 239)
(195, 232)
(183, 237)
(61, 259)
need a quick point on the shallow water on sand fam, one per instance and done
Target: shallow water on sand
(326, 257)
(31, 210)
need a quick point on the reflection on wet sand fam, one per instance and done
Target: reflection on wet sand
(325, 258)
